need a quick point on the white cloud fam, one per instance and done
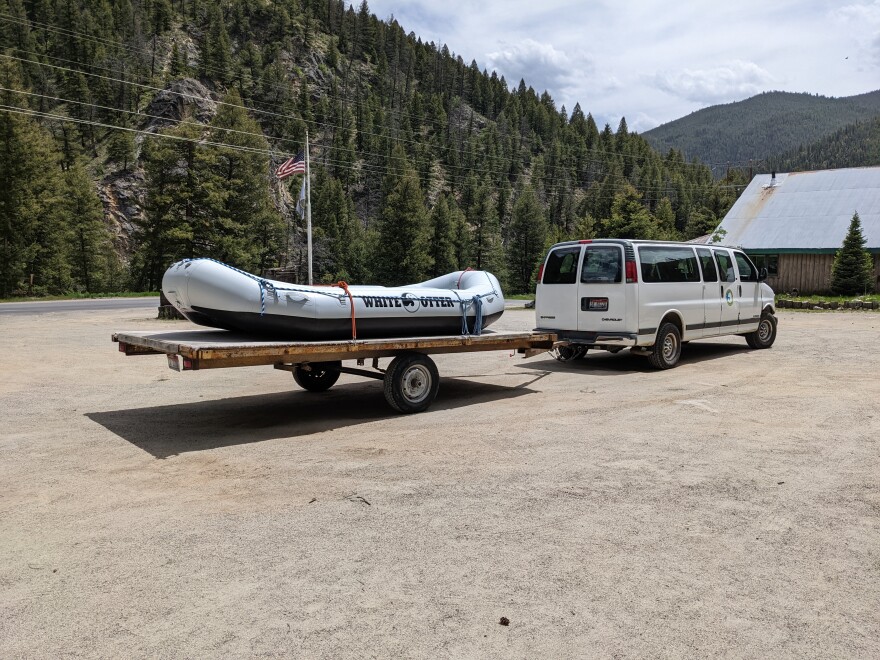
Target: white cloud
(735, 80)
(863, 12)
(862, 21)
(540, 65)
(614, 58)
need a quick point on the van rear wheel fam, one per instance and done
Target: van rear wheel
(667, 349)
(569, 352)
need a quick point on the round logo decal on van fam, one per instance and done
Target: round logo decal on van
(729, 297)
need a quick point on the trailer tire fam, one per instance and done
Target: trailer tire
(411, 383)
(320, 376)
(667, 349)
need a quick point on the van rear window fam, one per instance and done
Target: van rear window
(601, 264)
(668, 264)
(561, 266)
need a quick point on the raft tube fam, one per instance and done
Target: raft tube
(214, 294)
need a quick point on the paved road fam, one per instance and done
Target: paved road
(84, 305)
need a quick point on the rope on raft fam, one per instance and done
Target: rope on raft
(266, 286)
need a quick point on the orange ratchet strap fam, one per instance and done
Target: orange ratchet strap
(344, 286)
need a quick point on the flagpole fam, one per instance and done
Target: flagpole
(308, 207)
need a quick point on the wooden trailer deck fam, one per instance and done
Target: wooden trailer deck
(411, 380)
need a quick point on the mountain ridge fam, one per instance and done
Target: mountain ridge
(765, 125)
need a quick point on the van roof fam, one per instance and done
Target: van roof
(634, 241)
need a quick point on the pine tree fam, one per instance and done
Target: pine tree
(243, 227)
(528, 235)
(851, 272)
(88, 240)
(177, 66)
(216, 61)
(338, 234)
(402, 253)
(629, 218)
(443, 238)
(666, 220)
(120, 148)
(31, 240)
(699, 223)
(488, 247)
(161, 235)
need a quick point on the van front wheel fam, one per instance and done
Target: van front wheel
(765, 335)
(667, 349)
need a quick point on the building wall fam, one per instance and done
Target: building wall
(810, 273)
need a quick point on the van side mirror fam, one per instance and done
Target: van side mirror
(762, 274)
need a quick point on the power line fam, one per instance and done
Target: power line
(259, 110)
(334, 163)
(45, 115)
(550, 168)
(151, 53)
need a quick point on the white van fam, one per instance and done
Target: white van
(651, 296)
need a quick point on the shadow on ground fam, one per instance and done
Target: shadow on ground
(603, 363)
(170, 430)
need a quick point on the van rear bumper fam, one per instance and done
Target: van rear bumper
(586, 337)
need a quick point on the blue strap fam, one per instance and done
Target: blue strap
(477, 303)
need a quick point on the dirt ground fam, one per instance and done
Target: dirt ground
(730, 506)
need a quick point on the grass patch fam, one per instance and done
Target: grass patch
(838, 299)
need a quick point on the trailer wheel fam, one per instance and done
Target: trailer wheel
(319, 377)
(411, 383)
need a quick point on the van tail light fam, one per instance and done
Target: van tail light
(586, 240)
(540, 273)
(631, 273)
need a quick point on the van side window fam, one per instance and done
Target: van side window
(601, 265)
(725, 266)
(707, 264)
(668, 264)
(747, 271)
(561, 266)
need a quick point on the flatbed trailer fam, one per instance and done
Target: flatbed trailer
(411, 379)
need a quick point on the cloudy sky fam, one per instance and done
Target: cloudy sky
(653, 61)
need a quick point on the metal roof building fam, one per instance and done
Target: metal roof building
(794, 223)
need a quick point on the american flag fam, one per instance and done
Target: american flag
(296, 165)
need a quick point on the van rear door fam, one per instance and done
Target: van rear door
(556, 299)
(601, 304)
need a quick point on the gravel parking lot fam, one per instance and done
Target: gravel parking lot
(730, 506)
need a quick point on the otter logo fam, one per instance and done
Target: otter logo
(410, 302)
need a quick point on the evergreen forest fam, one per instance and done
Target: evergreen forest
(856, 145)
(137, 132)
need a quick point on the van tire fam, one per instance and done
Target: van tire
(765, 335)
(568, 352)
(666, 351)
